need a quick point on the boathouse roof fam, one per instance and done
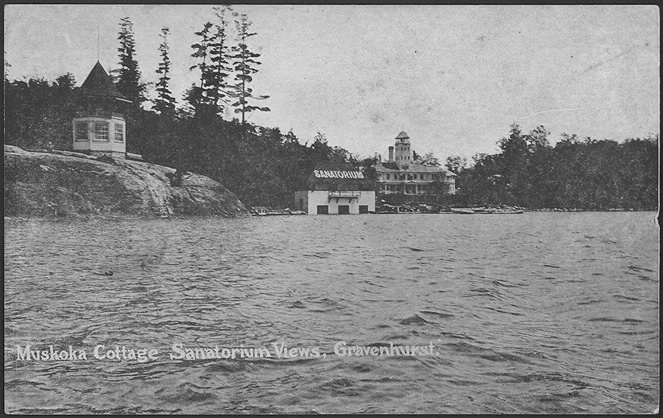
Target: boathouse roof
(340, 177)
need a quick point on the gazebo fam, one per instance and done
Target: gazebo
(99, 128)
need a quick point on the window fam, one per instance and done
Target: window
(363, 208)
(101, 131)
(387, 176)
(343, 209)
(323, 210)
(81, 132)
(119, 132)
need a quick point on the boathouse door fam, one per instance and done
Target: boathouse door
(343, 209)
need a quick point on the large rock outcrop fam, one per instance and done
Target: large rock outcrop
(63, 184)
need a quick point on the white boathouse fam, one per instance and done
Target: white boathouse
(336, 190)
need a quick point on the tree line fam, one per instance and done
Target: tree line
(225, 70)
(586, 174)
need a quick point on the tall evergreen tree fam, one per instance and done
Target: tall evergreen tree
(219, 67)
(245, 65)
(165, 102)
(197, 95)
(128, 75)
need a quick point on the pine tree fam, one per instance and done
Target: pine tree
(244, 64)
(128, 75)
(198, 96)
(165, 102)
(219, 68)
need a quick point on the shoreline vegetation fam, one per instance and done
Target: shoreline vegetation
(263, 167)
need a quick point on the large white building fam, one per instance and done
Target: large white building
(336, 191)
(401, 174)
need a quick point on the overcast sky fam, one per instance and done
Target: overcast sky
(453, 77)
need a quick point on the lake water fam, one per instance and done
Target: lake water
(531, 313)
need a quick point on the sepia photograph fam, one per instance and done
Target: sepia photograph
(331, 209)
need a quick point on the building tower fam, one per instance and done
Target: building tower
(99, 128)
(403, 152)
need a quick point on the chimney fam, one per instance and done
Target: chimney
(391, 153)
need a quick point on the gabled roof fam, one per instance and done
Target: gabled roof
(99, 83)
(402, 135)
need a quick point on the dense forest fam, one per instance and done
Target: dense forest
(264, 166)
(583, 174)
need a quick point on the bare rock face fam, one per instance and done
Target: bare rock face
(68, 184)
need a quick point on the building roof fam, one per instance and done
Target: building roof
(99, 83)
(389, 165)
(412, 168)
(402, 135)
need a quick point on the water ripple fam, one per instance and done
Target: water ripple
(536, 313)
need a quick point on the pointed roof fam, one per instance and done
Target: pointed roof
(402, 135)
(99, 83)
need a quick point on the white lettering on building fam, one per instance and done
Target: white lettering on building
(324, 174)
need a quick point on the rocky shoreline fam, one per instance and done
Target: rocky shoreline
(63, 184)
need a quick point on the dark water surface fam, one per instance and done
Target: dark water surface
(538, 313)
